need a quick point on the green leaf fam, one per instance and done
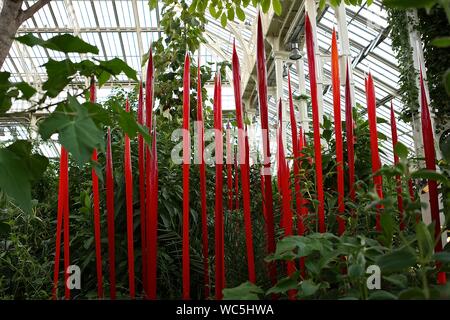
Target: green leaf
(397, 260)
(230, 13)
(59, 75)
(35, 164)
(401, 150)
(5, 228)
(284, 285)
(27, 90)
(399, 280)
(443, 256)
(429, 175)
(447, 81)
(355, 271)
(152, 4)
(381, 295)
(441, 42)
(129, 125)
(223, 20)
(240, 13)
(14, 180)
(115, 67)
(77, 131)
(387, 225)
(265, 5)
(411, 294)
(404, 4)
(276, 4)
(322, 4)
(65, 43)
(245, 291)
(425, 242)
(308, 288)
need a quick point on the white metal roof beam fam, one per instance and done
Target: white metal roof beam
(94, 12)
(119, 34)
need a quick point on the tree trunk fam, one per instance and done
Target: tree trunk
(10, 21)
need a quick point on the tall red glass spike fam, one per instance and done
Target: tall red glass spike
(349, 126)
(397, 178)
(316, 123)
(219, 245)
(296, 152)
(110, 217)
(376, 163)
(201, 150)
(285, 196)
(245, 167)
(338, 130)
(150, 272)
(143, 210)
(152, 230)
(186, 163)
(229, 168)
(263, 105)
(62, 222)
(430, 162)
(129, 206)
(96, 198)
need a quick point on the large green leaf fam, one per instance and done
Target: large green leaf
(115, 67)
(65, 43)
(397, 260)
(35, 164)
(59, 74)
(283, 286)
(245, 291)
(446, 80)
(14, 179)
(429, 175)
(441, 42)
(409, 3)
(77, 131)
(277, 7)
(425, 242)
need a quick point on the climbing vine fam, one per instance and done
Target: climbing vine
(431, 26)
(398, 21)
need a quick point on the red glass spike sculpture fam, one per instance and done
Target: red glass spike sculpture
(152, 230)
(229, 168)
(349, 126)
(296, 152)
(129, 207)
(316, 124)
(141, 167)
(263, 105)
(62, 222)
(96, 199)
(110, 217)
(430, 162)
(245, 167)
(285, 190)
(151, 219)
(186, 163)
(396, 160)
(201, 150)
(218, 216)
(338, 130)
(376, 163)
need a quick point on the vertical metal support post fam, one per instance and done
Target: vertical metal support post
(303, 107)
(311, 9)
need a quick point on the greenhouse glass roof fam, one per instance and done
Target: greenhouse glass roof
(126, 28)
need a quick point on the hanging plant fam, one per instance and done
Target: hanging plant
(398, 22)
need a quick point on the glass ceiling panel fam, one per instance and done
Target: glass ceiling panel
(112, 27)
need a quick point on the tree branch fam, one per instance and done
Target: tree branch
(27, 14)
